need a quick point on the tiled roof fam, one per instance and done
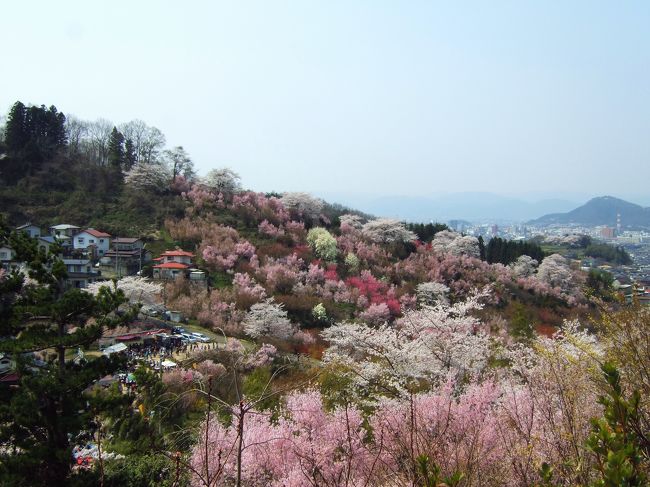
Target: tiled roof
(177, 253)
(96, 233)
(171, 265)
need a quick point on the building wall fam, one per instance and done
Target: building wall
(83, 240)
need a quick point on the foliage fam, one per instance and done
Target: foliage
(40, 417)
(508, 251)
(426, 231)
(148, 470)
(322, 243)
(615, 437)
(610, 253)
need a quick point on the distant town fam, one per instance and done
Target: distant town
(634, 242)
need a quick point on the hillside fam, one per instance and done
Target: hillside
(340, 325)
(600, 211)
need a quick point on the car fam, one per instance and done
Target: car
(178, 330)
(201, 337)
(189, 338)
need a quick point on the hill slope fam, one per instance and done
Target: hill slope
(601, 211)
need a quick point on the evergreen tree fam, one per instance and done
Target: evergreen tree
(41, 417)
(16, 135)
(481, 247)
(116, 152)
(130, 157)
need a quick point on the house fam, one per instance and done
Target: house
(125, 257)
(63, 230)
(31, 230)
(178, 256)
(172, 263)
(6, 363)
(80, 273)
(7, 255)
(91, 238)
(46, 242)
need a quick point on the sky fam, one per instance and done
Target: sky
(368, 97)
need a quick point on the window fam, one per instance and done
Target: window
(101, 240)
(92, 240)
(3, 255)
(80, 240)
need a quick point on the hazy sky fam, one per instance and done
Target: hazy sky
(394, 97)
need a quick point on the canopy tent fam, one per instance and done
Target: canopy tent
(168, 364)
(118, 347)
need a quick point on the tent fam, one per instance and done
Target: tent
(168, 364)
(118, 347)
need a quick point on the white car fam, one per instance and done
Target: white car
(201, 337)
(189, 338)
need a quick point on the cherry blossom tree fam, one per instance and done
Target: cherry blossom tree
(554, 271)
(149, 177)
(268, 319)
(136, 289)
(453, 243)
(376, 314)
(303, 204)
(430, 293)
(350, 223)
(223, 180)
(387, 230)
(425, 345)
(306, 446)
(524, 266)
(267, 228)
(550, 395)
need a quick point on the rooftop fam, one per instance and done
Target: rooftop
(177, 253)
(96, 233)
(171, 265)
(125, 240)
(63, 226)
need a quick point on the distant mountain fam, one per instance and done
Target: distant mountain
(601, 211)
(481, 207)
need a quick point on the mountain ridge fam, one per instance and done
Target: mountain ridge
(602, 210)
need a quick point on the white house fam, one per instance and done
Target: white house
(91, 237)
(6, 254)
(63, 230)
(172, 263)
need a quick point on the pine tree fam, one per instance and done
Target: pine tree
(16, 135)
(40, 418)
(116, 152)
(130, 157)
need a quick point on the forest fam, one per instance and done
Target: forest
(345, 350)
